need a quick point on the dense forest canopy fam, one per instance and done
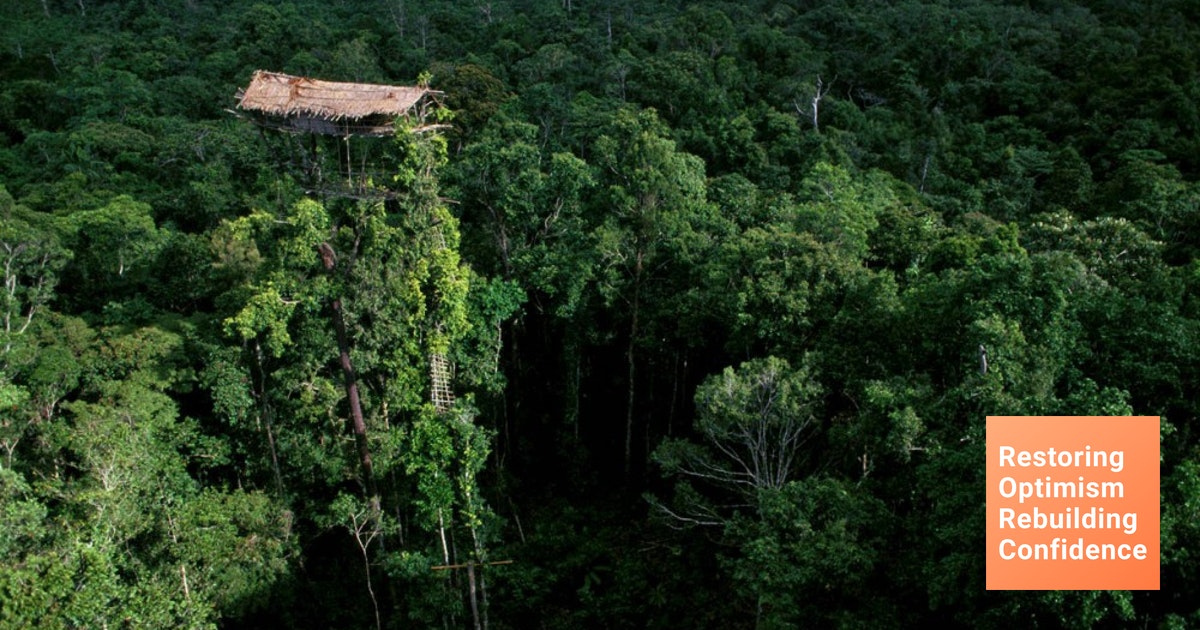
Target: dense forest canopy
(724, 292)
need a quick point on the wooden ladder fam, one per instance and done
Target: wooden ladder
(441, 373)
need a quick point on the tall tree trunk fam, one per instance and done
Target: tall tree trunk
(268, 416)
(631, 360)
(474, 599)
(329, 259)
(572, 351)
(356, 414)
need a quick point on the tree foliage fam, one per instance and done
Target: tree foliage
(767, 264)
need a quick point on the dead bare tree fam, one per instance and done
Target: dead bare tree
(812, 110)
(399, 16)
(754, 422)
(363, 526)
(485, 9)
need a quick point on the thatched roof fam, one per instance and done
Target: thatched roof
(283, 95)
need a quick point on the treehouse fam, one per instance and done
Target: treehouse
(335, 139)
(335, 133)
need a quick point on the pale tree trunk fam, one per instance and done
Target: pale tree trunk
(482, 595)
(474, 599)
(423, 30)
(442, 534)
(813, 109)
(476, 586)
(399, 16)
(365, 531)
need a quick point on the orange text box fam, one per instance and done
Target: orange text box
(1072, 503)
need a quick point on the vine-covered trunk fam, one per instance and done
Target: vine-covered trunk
(351, 383)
